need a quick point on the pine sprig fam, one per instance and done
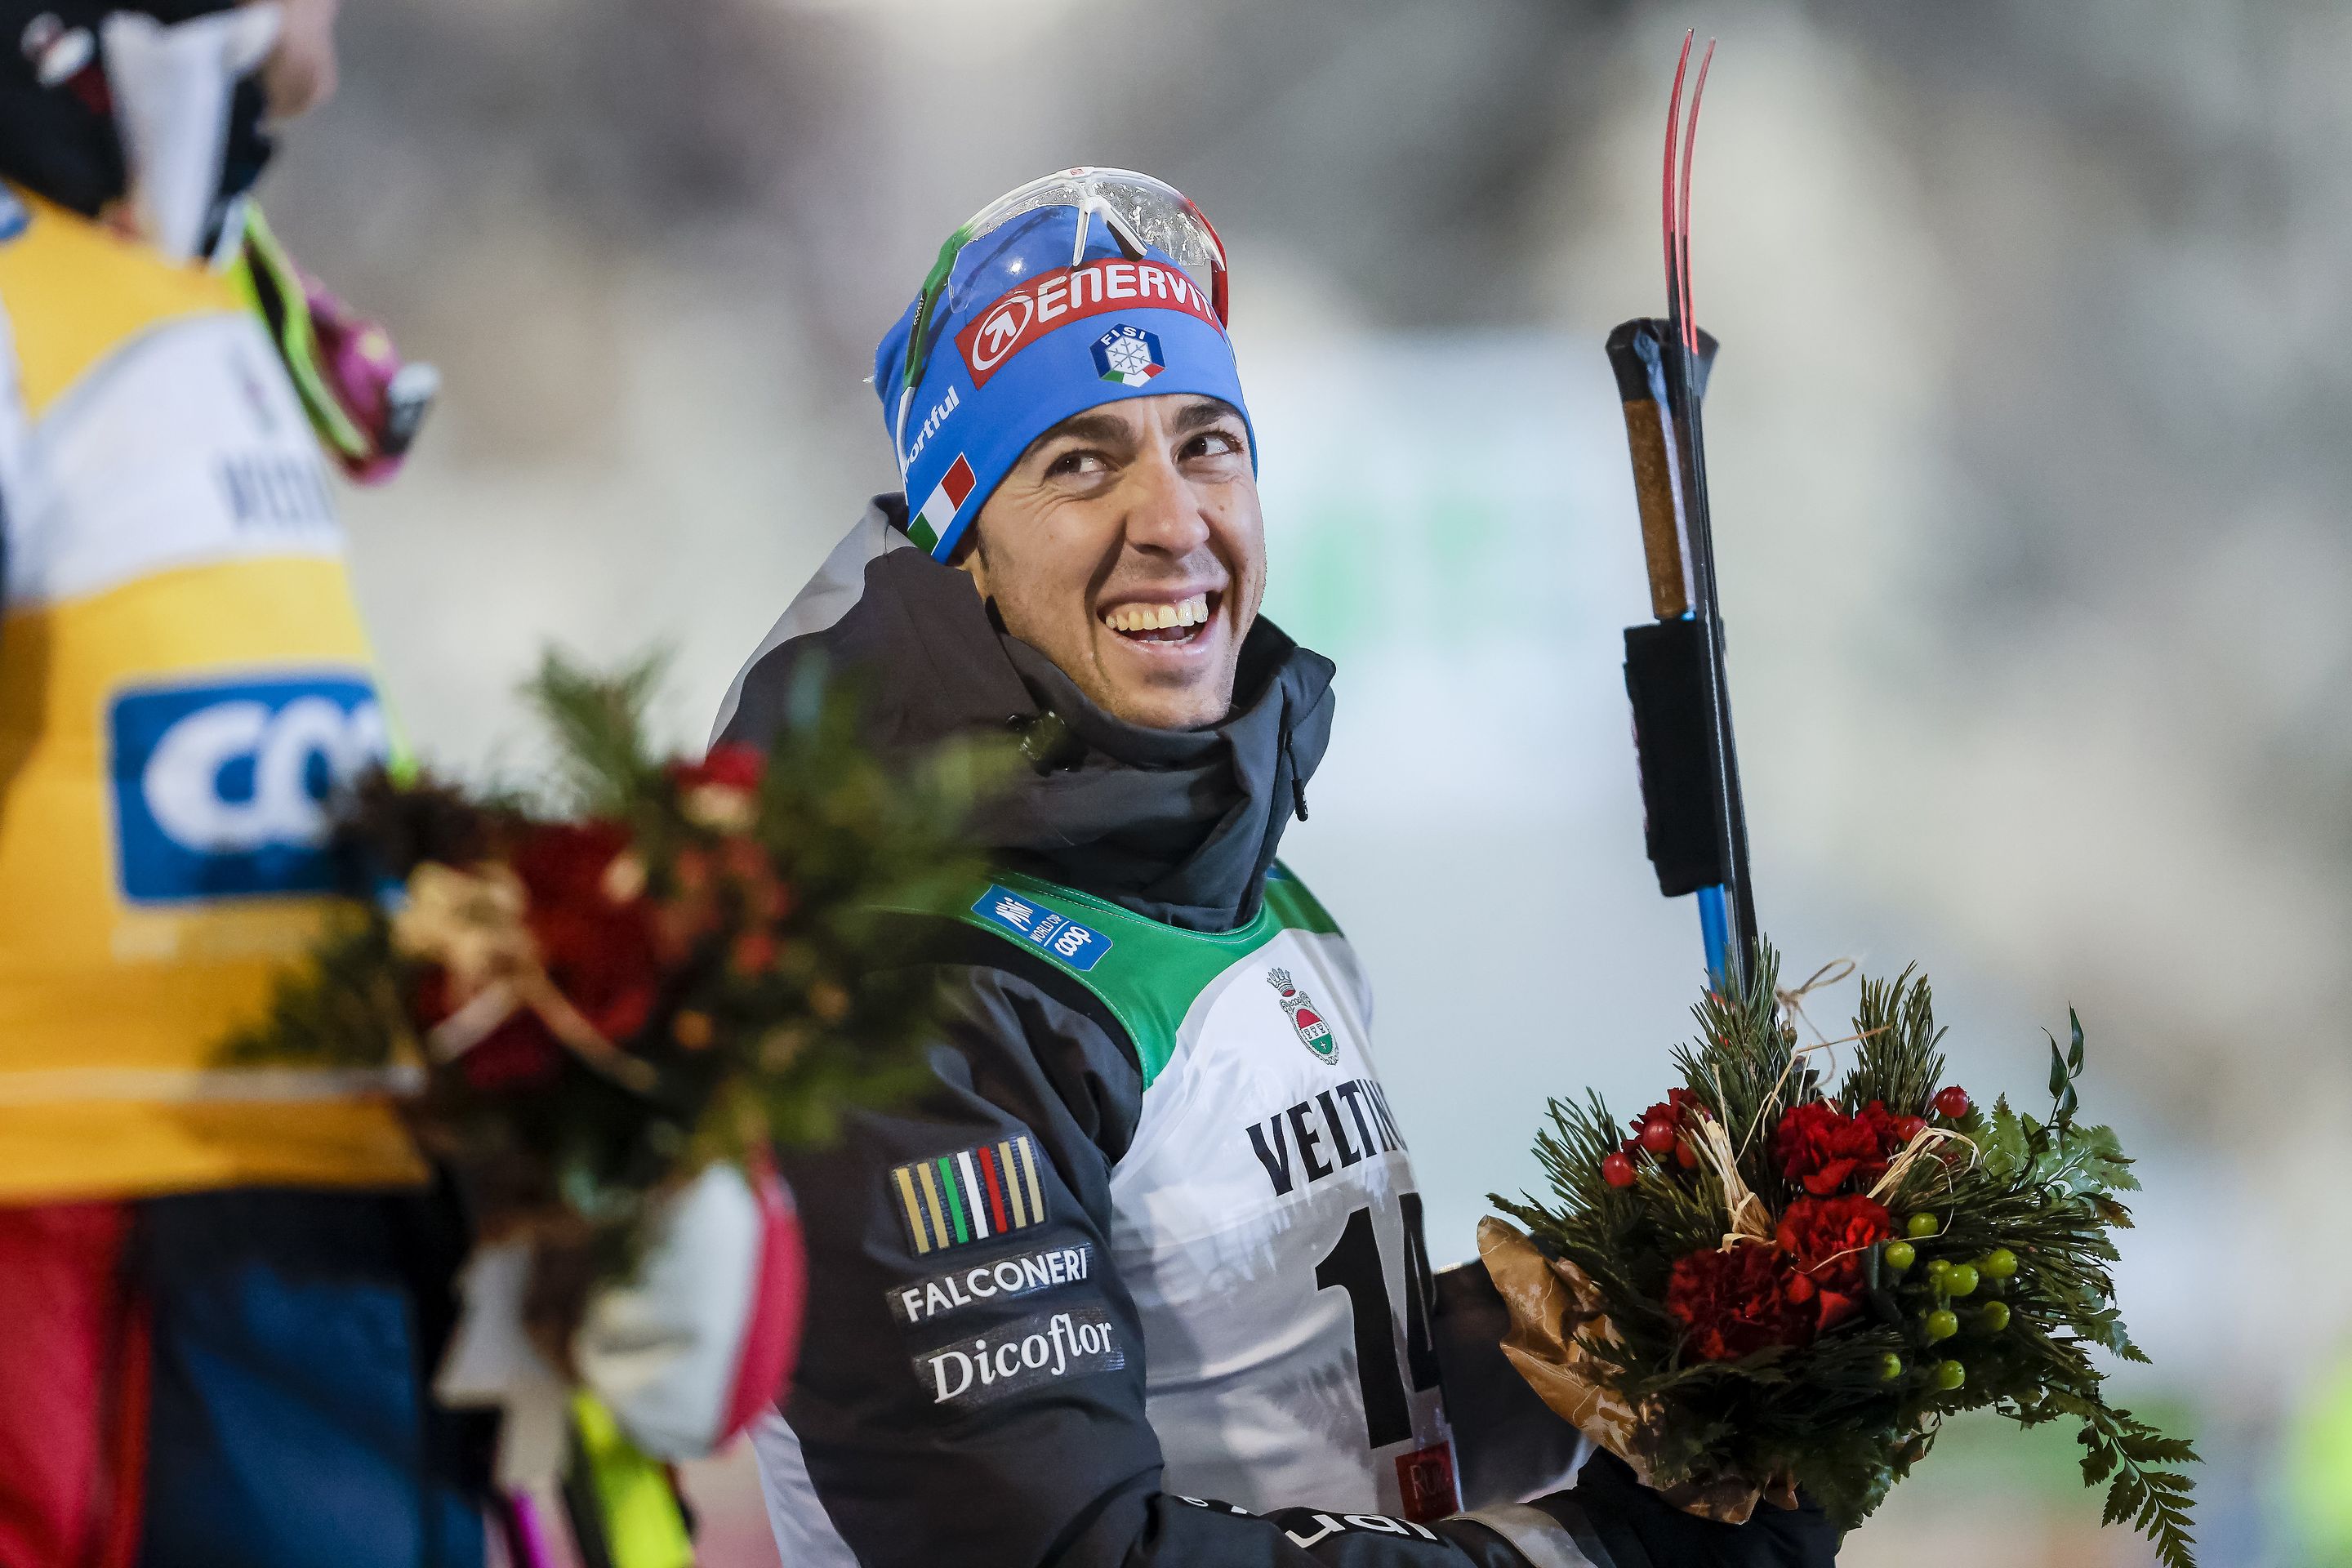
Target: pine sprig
(1743, 1065)
(604, 762)
(348, 1011)
(1895, 1060)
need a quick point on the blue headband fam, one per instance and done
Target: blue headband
(1025, 341)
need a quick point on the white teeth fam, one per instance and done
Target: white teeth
(1191, 612)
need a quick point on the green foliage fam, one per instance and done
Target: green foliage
(350, 1010)
(1895, 1060)
(2043, 1191)
(603, 766)
(735, 1054)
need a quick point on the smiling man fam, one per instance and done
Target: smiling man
(1152, 1235)
(1126, 546)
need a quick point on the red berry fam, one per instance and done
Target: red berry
(1953, 1102)
(1658, 1137)
(1906, 1127)
(1685, 1156)
(1617, 1171)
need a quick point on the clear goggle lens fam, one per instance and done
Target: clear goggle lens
(1140, 211)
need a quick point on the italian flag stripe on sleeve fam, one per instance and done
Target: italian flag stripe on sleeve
(955, 1201)
(931, 524)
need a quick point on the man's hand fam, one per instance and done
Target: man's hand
(1642, 1530)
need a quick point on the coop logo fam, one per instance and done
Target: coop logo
(1068, 294)
(1128, 355)
(221, 790)
(1080, 947)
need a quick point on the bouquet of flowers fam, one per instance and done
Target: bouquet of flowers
(610, 1000)
(1768, 1286)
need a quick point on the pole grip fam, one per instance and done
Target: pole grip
(1666, 670)
(1665, 677)
(1636, 353)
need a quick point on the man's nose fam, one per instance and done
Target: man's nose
(1163, 514)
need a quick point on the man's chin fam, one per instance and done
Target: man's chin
(1165, 687)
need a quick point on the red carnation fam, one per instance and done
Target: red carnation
(598, 951)
(1893, 1131)
(1825, 1239)
(1736, 1303)
(728, 764)
(721, 792)
(1669, 1110)
(518, 1053)
(1818, 1146)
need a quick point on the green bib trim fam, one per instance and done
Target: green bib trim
(1147, 973)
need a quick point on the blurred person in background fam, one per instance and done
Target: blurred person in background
(1152, 1237)
(216, 1333)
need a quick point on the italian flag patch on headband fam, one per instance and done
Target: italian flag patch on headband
(929, 525)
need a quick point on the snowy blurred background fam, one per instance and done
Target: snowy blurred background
(2030, 500)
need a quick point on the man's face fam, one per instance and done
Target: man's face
(1127, 546)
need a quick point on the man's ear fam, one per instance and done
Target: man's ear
(971, 559)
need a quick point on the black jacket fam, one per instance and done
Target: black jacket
(1181, 827)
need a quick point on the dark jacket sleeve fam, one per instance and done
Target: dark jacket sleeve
(917, 1463)
(1033, 1468)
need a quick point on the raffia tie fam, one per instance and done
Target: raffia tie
(1922, 1142)
(470, 924)
(1749, 1220)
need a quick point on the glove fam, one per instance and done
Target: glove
(1642, 1530)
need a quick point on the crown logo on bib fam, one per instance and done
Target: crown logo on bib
(1313, 1032)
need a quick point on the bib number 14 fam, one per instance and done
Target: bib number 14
(1354, 1265)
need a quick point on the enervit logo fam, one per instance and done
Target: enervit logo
(220, 790)
(1054, 300)
(1000, 329)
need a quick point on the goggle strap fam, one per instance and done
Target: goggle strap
(935, 289)
(899, 431)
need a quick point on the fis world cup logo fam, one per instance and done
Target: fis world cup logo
(1128, 355)
(1313, 1032)
(220, 789)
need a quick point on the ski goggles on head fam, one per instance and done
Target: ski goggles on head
(1139, 213)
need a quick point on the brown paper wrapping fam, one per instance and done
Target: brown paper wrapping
(1552, 1304)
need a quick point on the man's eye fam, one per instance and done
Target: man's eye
(1213, 444)
(1078, 462)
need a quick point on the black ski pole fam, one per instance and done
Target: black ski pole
(1696, 828)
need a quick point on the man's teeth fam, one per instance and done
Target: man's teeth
(1190, 612)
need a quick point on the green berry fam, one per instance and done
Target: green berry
(1960, 1280)
(1942, 1324)
(1939, 1270)
(1999, 1264)
(1994, 1316)
(1900, 1254)
(1920, 1227)
(1950, 1375)
(1890, 1367)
